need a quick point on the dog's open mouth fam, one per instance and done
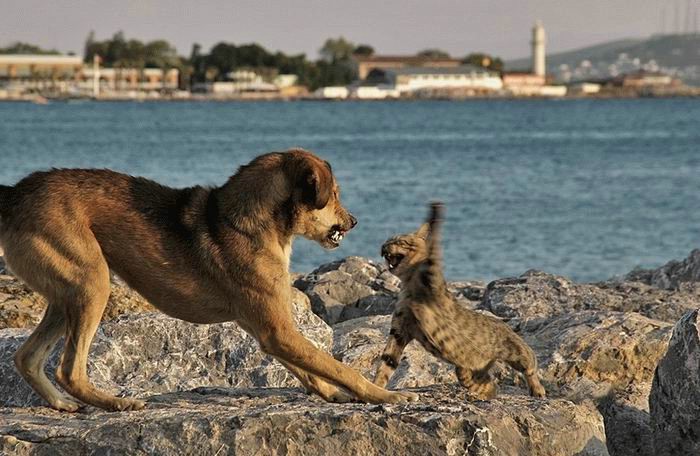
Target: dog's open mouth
(393, 260)
(335, 236)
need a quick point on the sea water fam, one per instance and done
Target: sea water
(584, 188)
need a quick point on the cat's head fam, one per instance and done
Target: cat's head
(405, 251)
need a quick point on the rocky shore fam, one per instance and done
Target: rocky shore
(619, 360)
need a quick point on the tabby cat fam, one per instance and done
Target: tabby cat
(427, 312)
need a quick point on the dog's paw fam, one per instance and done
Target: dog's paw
(125, 405)
(340, 397)
(402, 397)
(66, 405)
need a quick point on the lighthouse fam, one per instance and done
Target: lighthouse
(538, 53)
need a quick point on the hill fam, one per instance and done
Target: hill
(675, 54)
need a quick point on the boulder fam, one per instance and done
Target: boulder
(588, 354)
(470, 290)
(597, 346)
(140, 354)
(362, 270)
(369, 305)
(20, 307)
(627, 422)
(674, 401)
(358, 284)
(360, 342)
(357, 287)
(537, 296)
(652, 302)
(287, 421)
(672, 275)
(334, 291)
(581, 356)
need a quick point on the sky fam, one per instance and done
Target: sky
(499, 27)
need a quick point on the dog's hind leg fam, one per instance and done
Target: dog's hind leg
(88, 299)
(315, 384)
(31, 358)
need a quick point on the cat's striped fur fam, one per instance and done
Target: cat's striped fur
(427, 312)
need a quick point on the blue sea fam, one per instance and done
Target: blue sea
(584, 188)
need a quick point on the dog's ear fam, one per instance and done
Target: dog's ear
(316, 183)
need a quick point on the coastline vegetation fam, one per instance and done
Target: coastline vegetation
(333, 67)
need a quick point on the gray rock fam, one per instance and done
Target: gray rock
(277, 422)
(674, 401)
(472, 290)
(357, 287)
(20, 307)
(141, 354)
(369, 305)
(627, 426)
(360, 342)
(671, 275)
(333, 291)
(587, 354)
(360, 285)
(537, 296)
(362, 270)
(582, 356)
(664, 305)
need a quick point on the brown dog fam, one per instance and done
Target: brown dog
(203, 255)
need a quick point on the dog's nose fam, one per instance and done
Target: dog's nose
(353, 221)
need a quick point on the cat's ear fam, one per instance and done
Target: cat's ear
(423, 231)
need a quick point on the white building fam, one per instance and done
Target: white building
(68, 74)
(584, 88)
(28, 72)
(332, 93)
(373, 93)
(127, 79)
(282, 81)
(246, 81)
(412, 79)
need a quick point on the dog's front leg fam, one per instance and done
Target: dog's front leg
(284, 342)
(314, 384)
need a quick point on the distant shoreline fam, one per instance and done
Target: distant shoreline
(46, 100)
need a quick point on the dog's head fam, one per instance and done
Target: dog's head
(404, 251)
(319, 215)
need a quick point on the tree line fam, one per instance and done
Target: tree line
(26, 48)
(334, 67)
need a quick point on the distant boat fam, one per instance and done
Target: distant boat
(40, 100)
